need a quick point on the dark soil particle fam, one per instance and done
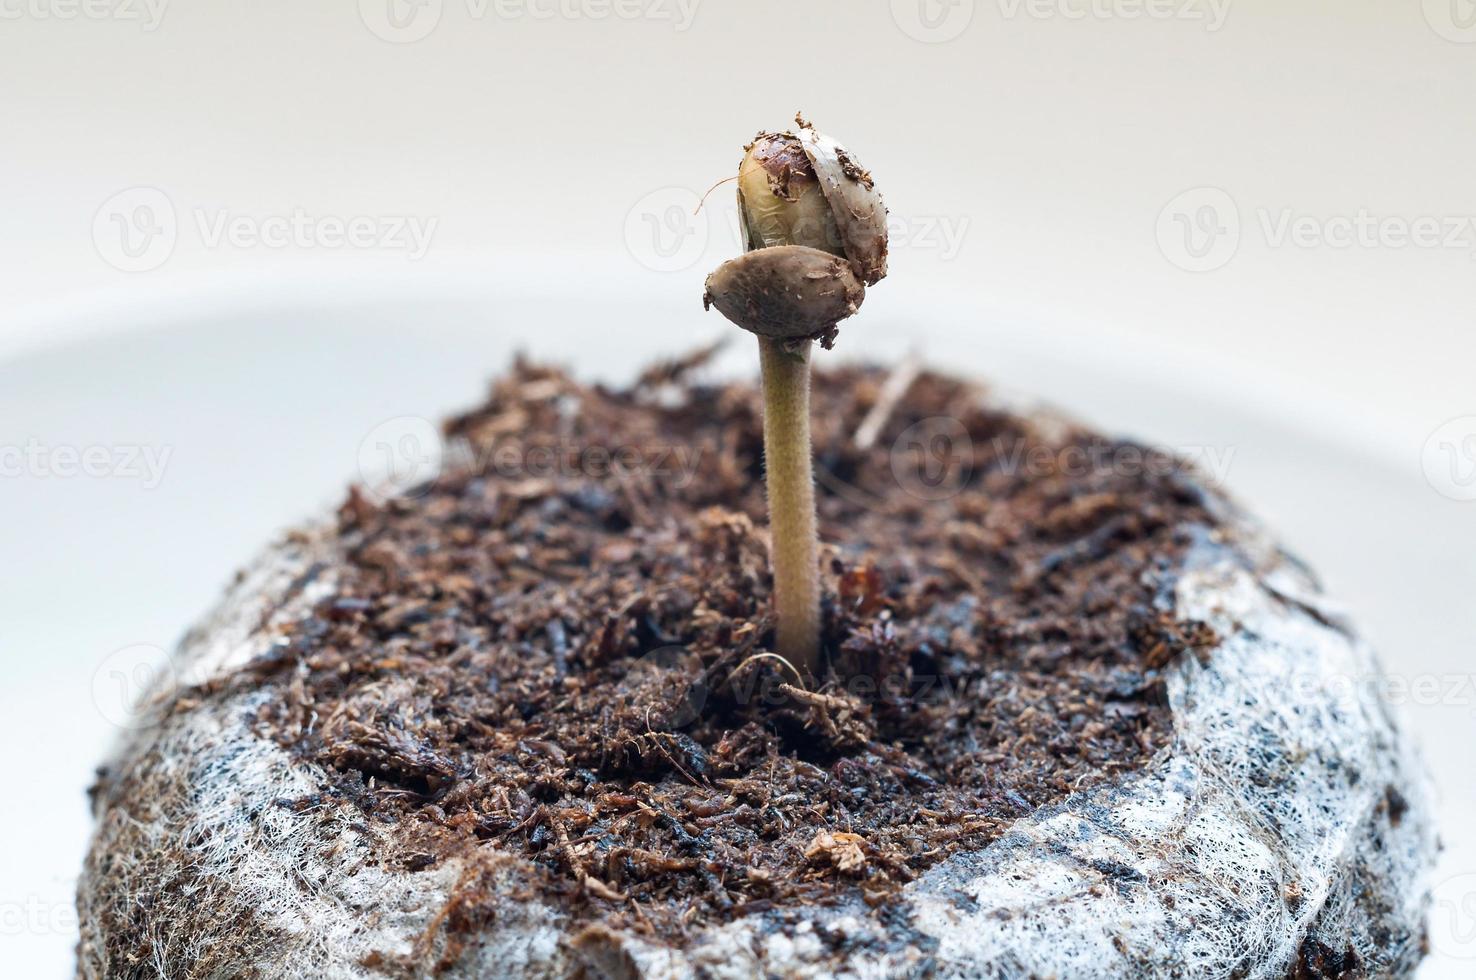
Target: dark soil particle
(559, 649)
(1316, 961)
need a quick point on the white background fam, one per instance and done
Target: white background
(1057, 173)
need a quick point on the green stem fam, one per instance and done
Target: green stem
(794, 551)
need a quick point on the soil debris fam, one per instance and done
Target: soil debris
(559, 649)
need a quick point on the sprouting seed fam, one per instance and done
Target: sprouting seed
(815, 230)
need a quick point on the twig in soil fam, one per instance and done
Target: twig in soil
(656, 741)
(674, 371)
(892, 391)
(799, 678)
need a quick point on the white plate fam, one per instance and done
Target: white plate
(252, 415)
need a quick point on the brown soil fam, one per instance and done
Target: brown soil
(555, 650)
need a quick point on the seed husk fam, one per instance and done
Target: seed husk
(860, 215)
(788, 292)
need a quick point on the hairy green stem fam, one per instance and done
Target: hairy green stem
(794, 551)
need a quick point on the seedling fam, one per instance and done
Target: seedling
(815, 231)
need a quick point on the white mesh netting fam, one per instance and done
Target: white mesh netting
(1288, 824)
